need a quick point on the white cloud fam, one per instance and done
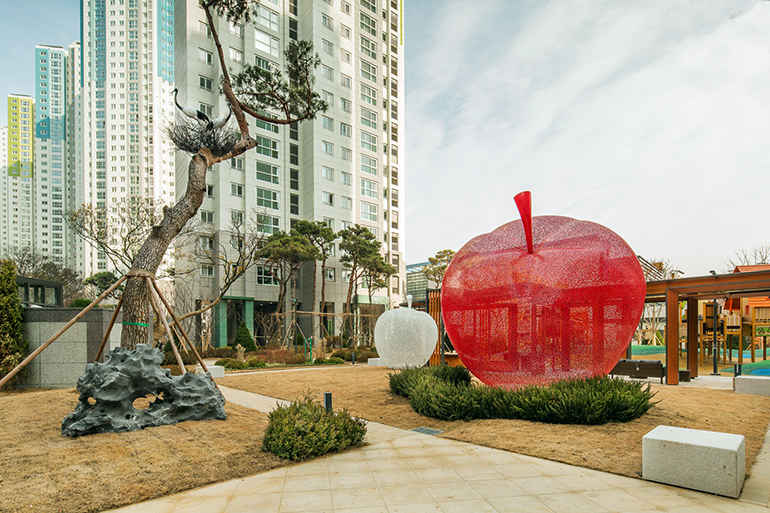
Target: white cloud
(648, 118)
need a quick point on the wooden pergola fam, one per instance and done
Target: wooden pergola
(698, 288)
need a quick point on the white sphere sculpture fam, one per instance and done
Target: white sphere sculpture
(405, 337)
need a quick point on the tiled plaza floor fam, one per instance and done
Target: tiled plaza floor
(403, 471)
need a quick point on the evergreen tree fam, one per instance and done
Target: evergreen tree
(243, 337)
(13, 347)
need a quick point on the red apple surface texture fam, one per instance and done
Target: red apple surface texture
(566, 310)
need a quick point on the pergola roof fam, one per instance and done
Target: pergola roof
(718, 286)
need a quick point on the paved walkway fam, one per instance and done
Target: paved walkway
(404, 471)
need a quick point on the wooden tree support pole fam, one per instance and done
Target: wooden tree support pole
(109, 330)
(56, 335)
(181, 329)
(155, 305)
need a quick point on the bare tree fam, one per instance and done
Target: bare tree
(251, 92)
(758, 255)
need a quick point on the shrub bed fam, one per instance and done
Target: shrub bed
(331, 361)
(445, 396)
(305, 430)
(187, 358)
(362, 355)
(231, 364)
(220, 352)
(283, 356)
(255, 362)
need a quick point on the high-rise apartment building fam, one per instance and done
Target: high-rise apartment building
(17, 201)
(5, 214)
(50, 162)
(127, 81)
(74, 182)
(342, 168)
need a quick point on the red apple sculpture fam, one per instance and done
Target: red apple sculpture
(542, 299)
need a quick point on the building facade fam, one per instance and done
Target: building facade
(18, 193)
(345, 167)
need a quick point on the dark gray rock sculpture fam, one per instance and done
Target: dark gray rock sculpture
(108, 391)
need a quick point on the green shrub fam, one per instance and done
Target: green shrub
(362, 355)
(304, 430)
(255, 362)
(220, 352)
(13, 346)
(170, 359)
(243, 337)
(447, 395)
(231, 364)
(283, 356)
(331, 361)
(80, 302)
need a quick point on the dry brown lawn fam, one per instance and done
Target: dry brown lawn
(42, 471)
(613, 447)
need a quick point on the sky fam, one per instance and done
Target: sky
(650, 118)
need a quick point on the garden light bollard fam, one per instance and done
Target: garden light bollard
(353, 357)
(328, 402)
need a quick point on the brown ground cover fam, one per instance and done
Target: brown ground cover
(613, 447)
(42, 471)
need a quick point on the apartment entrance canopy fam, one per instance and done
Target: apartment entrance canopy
(692, 290)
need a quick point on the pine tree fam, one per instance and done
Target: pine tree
(13, 347)
(243, 337)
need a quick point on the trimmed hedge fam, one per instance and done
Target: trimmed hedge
(362, 355)
(578, 401)
(231, 364)
(331, 361)
(404, 382)
(255, 362)
(304, 430)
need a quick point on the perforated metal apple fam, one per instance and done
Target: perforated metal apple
(542, 299)
(405, 337)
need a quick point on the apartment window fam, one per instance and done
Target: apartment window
(328, 221)
(394, 43)
(327, 22)
(368, 141)
(237, 163)
(205, 83)
(394, 261)
(368, 211)
(293, 29)
(294, 154)
(265, 276)
(327, 148)
(368, 47)
(236, 55)
(393, 110)
(394, 241)
(346, 104)
(369, 188)
(267, 172)
(347, 203)
(368, 71)
(266, 17)
(204, 29)
(207, 271)
(267, 198)
(346, 32)
(207, 244)
(328, 98)
(346, 56)
(345, 7)
(206, 109)
(346, 81)
(370, 4)
(394, 66)
(327, 173)
(394, 280)
(327, 47)
(264, 63)
(205, 56)
(368, 118)
(327, 198)
(294, 179)
(346, 178)
(293, 7)
(394, 22)
(209, 191)
(267, 225)
(267, 147)
(207, 217)
(346, 272)
(327, 72)
(294, 204)
(265, 42)
(369, 95)
(294, 131)
(236, 189)
(394, 198)
(394, 219)
(368, 24)
(330, 274)
(394, 134)
(266, 125)
(394, 176)
(327, 122)
(236, 217)
(368, 165)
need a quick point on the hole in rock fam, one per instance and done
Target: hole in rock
(142, 403)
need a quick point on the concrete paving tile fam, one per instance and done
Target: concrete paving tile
(318, 467)
(395, 477)
(377, 509)
(437, 475)
(478, 473)
(725, 505)
(518, 470)
(623, 481)
(386, 464)
(201, 504)
(462, 460)
(617, 500)
(582, 482)
(353, 480)
(260, 484)
(540, 485)
(498, 458)
(425, 462)
(416, 452)
(444, 492)
(405, 494)
(476, 506)
(663, 497)
(700, 508)
(346, 467)
(155, 506)
(262, 502)
(570, 501)
(307, 483)
(523, 504)
(414, 508)
(293, 502)
(218, 490)
(450, 450)
(357, 498)
(493, 488)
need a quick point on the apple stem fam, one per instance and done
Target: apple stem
(524, 203)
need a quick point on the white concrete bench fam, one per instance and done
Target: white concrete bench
(374, 362)
(216, 371)
(757, 385)
(700, 460)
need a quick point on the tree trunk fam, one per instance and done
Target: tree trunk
(136, 304)
(313, 303)
(323, 296)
